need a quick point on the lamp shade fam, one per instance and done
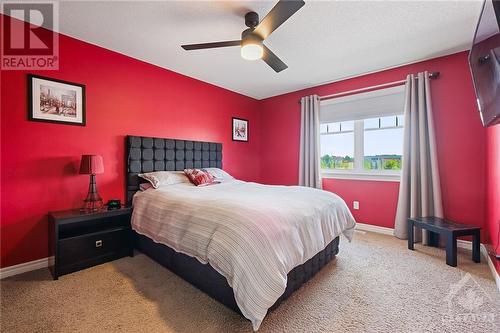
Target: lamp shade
(91, 164)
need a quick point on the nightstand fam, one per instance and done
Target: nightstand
(80, 240)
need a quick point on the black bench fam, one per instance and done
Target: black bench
(450, 230)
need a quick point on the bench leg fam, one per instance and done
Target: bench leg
(433, 239)
(476, 241)
(410, 235)
(451, 250)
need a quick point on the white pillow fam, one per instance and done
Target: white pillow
(219, 174)
(161, 178)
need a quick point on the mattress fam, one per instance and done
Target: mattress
(252, 234)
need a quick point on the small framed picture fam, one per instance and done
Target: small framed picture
(56, 101)
(240, 129)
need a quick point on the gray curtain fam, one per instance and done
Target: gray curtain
(419, 190)
(309, 167)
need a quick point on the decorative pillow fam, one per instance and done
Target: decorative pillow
(145, 186)
(161, 178)
(219, 174)
(200, 177)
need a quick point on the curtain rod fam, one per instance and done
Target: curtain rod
(432, 75)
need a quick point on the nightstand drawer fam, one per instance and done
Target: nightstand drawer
(103, 244)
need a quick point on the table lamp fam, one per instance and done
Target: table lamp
(92, 165)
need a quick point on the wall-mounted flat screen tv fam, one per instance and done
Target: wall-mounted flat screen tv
(484, 61)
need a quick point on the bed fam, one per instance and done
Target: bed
(247, 245)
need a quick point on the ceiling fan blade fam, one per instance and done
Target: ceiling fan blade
(279, 14)
(211, 45)
(273, 61)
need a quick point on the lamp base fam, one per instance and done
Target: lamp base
(92, 206)
(93, 202)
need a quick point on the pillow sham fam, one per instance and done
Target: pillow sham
(161, 178)
(219, 174)
(145, 186)
(200, 177)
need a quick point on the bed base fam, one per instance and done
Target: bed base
(208, 280)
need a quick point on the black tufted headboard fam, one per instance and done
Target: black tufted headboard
(145, 154)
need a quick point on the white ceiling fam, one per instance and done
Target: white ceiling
(324, 41)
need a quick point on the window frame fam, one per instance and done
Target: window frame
(359, 172)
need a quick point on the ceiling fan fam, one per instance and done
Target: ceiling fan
(251, 43)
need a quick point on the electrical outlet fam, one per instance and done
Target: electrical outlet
(355, 205)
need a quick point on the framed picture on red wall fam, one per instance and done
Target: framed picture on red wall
(240, 129)
(56, 101)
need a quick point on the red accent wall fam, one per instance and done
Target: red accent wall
(39, 161)
(370, 194)
(493, 188)
(460, 138)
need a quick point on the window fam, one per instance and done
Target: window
(337, 145)
(383, 143)
(370, 144)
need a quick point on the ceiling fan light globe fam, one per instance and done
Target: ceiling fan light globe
(252, 51)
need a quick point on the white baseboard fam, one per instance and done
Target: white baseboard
(375, 228)
(25, 267)
(493, 270)
(460, 243)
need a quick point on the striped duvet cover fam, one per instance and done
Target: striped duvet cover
(250, 233)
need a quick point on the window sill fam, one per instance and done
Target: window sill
(385, 177)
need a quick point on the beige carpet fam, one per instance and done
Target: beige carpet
(374, 285)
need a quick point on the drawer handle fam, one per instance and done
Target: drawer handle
(98, 243)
